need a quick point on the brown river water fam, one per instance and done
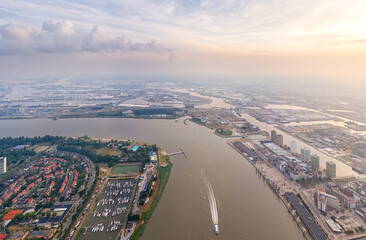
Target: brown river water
(247, 207)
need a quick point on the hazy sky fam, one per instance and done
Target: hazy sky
(311, 38)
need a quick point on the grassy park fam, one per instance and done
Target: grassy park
(125, 169)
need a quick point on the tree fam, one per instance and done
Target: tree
(133, 217)
(143, 194)
(19, 217)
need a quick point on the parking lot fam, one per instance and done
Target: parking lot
(110, 211)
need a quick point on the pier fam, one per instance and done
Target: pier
(176, 153)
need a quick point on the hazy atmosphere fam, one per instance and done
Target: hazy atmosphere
(320, 39)
(183, 119)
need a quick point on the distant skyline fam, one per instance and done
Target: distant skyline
(280, 38)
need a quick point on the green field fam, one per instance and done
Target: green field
(223, 132)
(125, 169)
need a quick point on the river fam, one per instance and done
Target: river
(247, 208)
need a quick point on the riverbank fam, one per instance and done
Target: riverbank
(112, 116)
(279, 185)
(163, 176)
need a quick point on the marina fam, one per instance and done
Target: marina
(108, 216)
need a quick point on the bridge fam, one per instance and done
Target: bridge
(176, 153)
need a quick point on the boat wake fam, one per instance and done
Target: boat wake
(212, 202)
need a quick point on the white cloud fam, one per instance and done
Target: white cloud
(189, 36)
(248, 25)
(63, 36)
(15, 39)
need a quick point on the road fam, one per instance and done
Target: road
(89, 207)
(129, 234)
(69, 182)
(44, 190)
(320, 220)
(135, 207)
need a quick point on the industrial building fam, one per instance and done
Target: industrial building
(314, 229)
(253, 156)
(274, 148)
(61, 211)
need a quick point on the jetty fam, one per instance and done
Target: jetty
(176, 153)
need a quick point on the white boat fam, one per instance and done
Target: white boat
(216, 229)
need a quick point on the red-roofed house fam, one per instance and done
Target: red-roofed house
(12, 213)
(3, 236)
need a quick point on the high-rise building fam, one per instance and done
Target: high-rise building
(315, 161)
(305, 154)
(293, 147)
(279, 140)
(2, 165)
(273, 136)
(331, 169)
(325, 201)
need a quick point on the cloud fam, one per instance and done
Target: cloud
(255, 26)
(15, 39)
(203, 36)
(63, 36)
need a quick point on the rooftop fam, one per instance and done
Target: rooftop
(12, 213)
